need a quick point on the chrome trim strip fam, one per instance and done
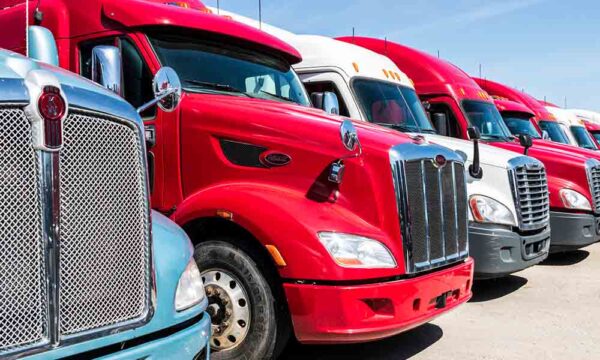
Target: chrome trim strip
(13, 91)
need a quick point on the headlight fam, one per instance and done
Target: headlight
(487, 210)
(190, 289)
(574, 200)
(356, 251)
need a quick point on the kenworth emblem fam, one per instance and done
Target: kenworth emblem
(52, 107)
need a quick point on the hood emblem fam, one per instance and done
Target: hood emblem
(440, 161)
(52, 108)
(275, 159)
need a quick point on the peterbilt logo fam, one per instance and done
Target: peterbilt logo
(52, 108)
(439, 161)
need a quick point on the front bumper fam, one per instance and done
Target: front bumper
(499, 251)
(359, 313)
(573, 231)
(188, 340)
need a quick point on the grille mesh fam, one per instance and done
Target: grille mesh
(532, 196)
(23, 294)
(435, 232)
(594, 178)
(104, 266)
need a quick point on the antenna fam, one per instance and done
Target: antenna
(565, 102)
(385, 45)
(438, 52)
(260, 14)
(218, 7)
(27, 28)
(545, 98)
(353, 34)
(480, 71)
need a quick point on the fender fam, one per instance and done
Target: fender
(558, 183)
(287, 219)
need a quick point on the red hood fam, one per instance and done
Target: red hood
(292, 120)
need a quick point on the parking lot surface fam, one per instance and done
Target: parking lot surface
(550, 311)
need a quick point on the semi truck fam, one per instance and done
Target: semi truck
(573, 176)
(301, 220)
(87, 270)
(574, 128)
(370, 87)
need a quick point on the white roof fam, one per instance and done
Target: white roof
(588, 115)
(321, 51)
(564, 116)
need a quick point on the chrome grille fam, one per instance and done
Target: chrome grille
(105, 249)
(530, 188)
(593, 173)
(23, 294)
(433, 209)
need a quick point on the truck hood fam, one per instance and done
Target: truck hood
(489, 155)
(78, 91)
(569, 149)
(545, 153)
(295, 121)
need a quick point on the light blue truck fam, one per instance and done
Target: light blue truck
(87, 270)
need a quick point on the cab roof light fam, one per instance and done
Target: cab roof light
(355, 66)
(385, 72)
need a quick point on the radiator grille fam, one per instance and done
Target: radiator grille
(532, 197)
(23, 294)
(593, 171)
(435, 213)
(104, 265)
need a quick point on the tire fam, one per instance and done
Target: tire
(223, 264)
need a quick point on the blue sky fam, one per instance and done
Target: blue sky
(547, 47)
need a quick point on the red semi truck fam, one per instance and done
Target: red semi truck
(298, 225)
(573, 174)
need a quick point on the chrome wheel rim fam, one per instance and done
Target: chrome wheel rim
(229, 309)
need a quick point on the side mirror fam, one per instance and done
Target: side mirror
(326, 101)
(473, 133)
(525, 141)
(475, 168)
(545, 135)
(167, 90)
(42, 46)
(349, 135)
(440, 122)
(107, 69)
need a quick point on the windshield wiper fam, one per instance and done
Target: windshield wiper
(495, 137)
(400, 127)
(215, 86)
(277, 96)
(429, 131)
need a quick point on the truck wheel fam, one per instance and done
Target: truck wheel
(240, 302)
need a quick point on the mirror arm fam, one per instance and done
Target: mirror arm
(155, 101)
(475, 169)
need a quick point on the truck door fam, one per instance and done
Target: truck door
(454, 126)
(333, 82)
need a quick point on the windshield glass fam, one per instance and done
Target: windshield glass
(554, 131)
(210, 67)
(486, 117)
(519, 124)
(583, 137)
(392, 105)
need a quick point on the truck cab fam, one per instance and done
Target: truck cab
(301, 220)
(574, 212)
(370, 87)
(573, 128)
(87, 269)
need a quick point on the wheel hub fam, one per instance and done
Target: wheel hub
(228, 307)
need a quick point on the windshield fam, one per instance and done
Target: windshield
(486, 117)
(583, 138)
(210, 67)
(554, 131)
(519, 124)
(392, 105)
